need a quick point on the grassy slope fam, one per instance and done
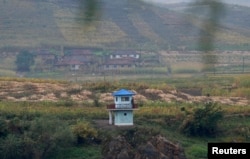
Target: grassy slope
(27, 23)
(117, 24)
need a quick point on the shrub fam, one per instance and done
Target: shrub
(84, 132)
(3, 128)
(49, 134)
(15, 126)
(10, 147)
(203, 122)
(28, 147)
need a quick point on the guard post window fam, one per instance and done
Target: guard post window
(125, 99)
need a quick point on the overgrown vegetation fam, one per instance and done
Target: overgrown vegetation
(203, 121)
(59, 129)
(65, 129)
(84, 133)
(28, 135)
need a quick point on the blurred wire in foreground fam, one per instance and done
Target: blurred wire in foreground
(214, 11)
(89, 11)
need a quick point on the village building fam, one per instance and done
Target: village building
(76, 60)
(123, 54)
(122, 109)
(118, 60)
(121, 63)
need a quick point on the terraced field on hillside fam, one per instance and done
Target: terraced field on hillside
(114, 24)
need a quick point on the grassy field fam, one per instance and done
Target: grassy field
(70, 126)
(165, 119)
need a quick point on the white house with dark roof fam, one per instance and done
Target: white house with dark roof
(121, 59)
(123, 54)
(119, 63)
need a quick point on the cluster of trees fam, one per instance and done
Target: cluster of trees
(203, 121)
(24, 61)
(41, 137)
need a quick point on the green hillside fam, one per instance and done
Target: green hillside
(114, 24)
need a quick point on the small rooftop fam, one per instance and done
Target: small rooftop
(123, 92)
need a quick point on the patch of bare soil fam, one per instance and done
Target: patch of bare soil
(31, 91)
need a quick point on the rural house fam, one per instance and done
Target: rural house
(76, 60)
(122, 54)
(121, 60)
(121, 63)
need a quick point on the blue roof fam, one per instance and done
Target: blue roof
(123, 92)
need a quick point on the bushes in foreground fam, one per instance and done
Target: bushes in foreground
(84, 132)
(40, 137)
(203, 121)
(34, 139)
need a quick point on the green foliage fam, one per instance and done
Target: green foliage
(84, 132)
(49, 134)
(203, 122)
(3, 127)
(244, 82)
(85, 152)
(11, 147)
(46, 130)
(24, 60)
(15, 126)
(28, 147)
(215, 92)
(66, 102)
(197, 151)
